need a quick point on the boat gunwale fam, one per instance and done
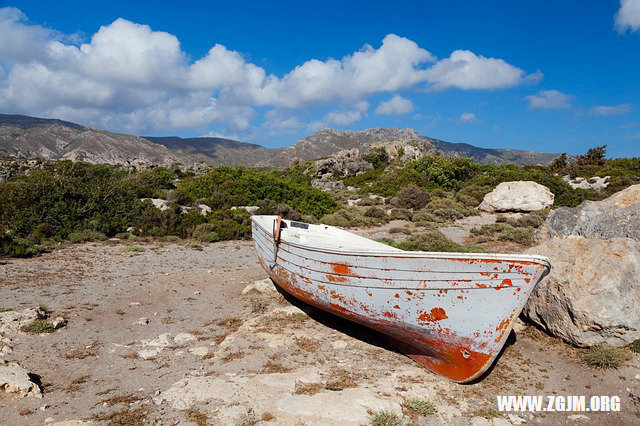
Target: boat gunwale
(541, 260)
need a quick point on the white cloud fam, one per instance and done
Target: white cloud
(466, 70)
(628, 16)
(467, 117)
(549, 99)
(396, 105)
(345, 118)
(129, 77)
(606, 110)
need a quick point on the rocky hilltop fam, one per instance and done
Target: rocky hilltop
(22, 136)
(50, 139)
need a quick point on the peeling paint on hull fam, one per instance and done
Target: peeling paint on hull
(450, 312)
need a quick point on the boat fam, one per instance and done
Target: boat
(450, 312)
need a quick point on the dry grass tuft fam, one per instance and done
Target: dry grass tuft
(124, 417)
(273, 367)
(341, 379)
(308, 388)
(605, 356)
(83, 352)
(231, 356)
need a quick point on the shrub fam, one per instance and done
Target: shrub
(423, 216)
(531, 220)
(420, 406)
(376, 212)
(347, 218)
(225, 187)
(86, 235)
(505, 232)
(401, 214)
(605, 356)
(431, 240)
(156, 223)
(206, 233)
(283, 210)
(635, 346)
(378, 157)
(370, 201)
(384, 418)
(69, 197)
(472, 195)
(39, 326)
(448, 210)
(12, 247)
(412, 197)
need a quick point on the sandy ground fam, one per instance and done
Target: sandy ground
(165, 335)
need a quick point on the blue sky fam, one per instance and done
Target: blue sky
(551, 76)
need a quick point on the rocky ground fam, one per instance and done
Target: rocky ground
(171, 333)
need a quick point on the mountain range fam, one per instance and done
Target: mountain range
(51, 139)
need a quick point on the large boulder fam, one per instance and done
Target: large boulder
(518, 196)
(592, 294)
(617, 216)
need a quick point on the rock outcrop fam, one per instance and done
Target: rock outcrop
(592, 294)
(345, 163)
(518, 196)
(617, 216)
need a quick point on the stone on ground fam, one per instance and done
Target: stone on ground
(592, 294)
(260, 286)
(15, 379)
(517, 196)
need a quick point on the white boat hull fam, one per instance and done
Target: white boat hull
(451, 312)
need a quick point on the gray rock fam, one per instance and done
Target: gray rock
(517, 196)
(617, 216)
(59, 322)
(248, 209)
(157, 203)
(15, 379)
(592, 294)
(597, 183)
(327, 185)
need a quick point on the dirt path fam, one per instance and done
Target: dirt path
(166, 335)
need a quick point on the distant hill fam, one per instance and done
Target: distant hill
(493, 156)
(217, 151)
(23, 136)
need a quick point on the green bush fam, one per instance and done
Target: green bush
(376, 213)
(420, 406)
(353, 218)
(412, 197)
(67, 197)
(224, 187)
(86, 235)
(206, 232)
(401, 214)
(448, 210)
(431, 240)
(378, 157)
(505, 232)
(12, 247)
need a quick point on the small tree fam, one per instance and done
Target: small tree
(560, 162)
(593, 157)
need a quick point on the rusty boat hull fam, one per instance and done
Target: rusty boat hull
(450, 312)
